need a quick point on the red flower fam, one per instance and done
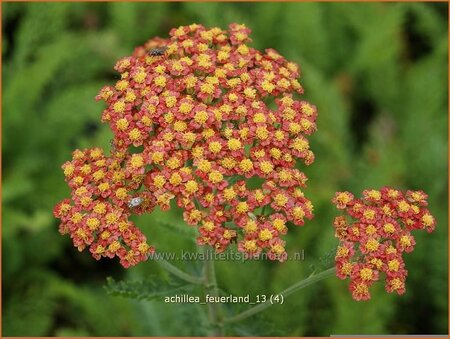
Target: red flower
(375, 233)
(188, 120)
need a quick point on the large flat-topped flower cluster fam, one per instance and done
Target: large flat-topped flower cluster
(194, 117)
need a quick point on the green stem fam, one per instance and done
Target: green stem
(214, 309)
(294, 288)
(264, 210)
(179, 273)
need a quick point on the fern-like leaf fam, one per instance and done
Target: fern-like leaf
(148, 289)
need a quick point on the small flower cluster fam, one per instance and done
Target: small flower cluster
(97, 213)
(194, 116)
(374, 235)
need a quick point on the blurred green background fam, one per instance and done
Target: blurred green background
(378, 75)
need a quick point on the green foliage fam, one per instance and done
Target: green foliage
(149, 289)
(378, 75)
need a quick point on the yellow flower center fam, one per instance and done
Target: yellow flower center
(250, 245)
(137, 161)
(405, 241)
(280, 199)
(104, 186)
(265, 235)
(114, 246)
(374, 194)
(250, 227)
(229, 194)
(175, 179)
(76, 217)
(160, 81)
(159, 181)
(396, 284)
(427, 220)
(204, 165)
(342, 251)
(394, 265)
(215, 147)
(215, 177)
(208, 225)
(279, 224)
(93, 223)
(186, 108)
(372, 245)
(191, 186)
(389, 228)
(246, 165)
(234, 144)
(403, 206)
(242, 207)
(369, 214)
(371, 229)
(266, 167)
(100, 208)
(119, 106)
(366, 273)
(134, 134)
(139, 77)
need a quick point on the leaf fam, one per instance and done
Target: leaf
(304, 31)
(30, 316)
(134, 23)
(257, 325)
(148, 289)
(16, 186)
(324, 262)
(43, 23)
(182, 230)
(71, 332)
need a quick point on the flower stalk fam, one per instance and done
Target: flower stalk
(179, 273)
(209, 284)
(214, 309)
(294, 288)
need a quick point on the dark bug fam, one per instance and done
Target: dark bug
(157, 51)
(113, 145)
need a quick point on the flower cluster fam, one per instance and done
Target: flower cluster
(194, 117)
(374, 234)
(97, 213)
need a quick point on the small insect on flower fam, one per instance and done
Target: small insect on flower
(157, 51)
(135, 202)
(113, 145)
